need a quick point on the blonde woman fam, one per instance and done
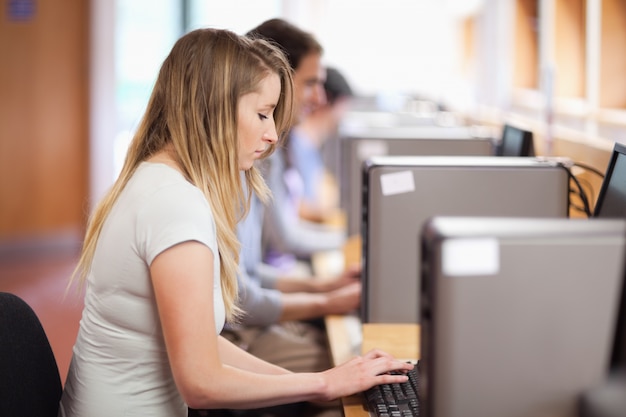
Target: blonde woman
(159, 261)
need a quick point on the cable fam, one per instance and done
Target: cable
(576, 207)
(589, 168)
(581, 193)
(573, 204)
(590, 191)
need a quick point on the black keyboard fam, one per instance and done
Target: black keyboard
(395, 400)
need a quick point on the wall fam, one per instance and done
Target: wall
(43, 118)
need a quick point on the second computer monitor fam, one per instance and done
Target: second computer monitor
(401, 193)
(358, 145)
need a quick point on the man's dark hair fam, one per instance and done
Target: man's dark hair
(336, 86)
(295, 42)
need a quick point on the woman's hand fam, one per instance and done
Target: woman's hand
(362, 373)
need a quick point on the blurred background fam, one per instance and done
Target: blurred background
(75, 76)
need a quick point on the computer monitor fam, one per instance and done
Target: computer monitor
(612, 196)
(357, 145)
(516, 142)
(611, 203)
(517, 314)
(401, 193)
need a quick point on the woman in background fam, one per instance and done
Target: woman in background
(159, 260)
(289, 240)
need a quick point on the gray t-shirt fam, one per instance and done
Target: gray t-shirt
(120, 365)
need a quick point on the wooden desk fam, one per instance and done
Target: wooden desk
(401, 340)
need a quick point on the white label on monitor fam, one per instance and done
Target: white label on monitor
(469, 256)
(397, 183)
(368, 148)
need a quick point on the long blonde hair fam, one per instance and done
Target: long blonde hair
(193, 110)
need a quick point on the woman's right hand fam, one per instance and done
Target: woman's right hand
(362, 373)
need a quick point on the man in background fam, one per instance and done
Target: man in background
(283, 323)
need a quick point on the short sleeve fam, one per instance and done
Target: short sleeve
(172, 215)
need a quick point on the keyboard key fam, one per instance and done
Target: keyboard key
(395, 400)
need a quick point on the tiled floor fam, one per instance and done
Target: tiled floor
(40, 279)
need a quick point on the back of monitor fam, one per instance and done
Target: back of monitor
(400, 194)
(517, 314)
(357, 146)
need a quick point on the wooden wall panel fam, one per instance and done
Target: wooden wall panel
(525, 67)
(612, 58)
(43, 119)
(570, 48)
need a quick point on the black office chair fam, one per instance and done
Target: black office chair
(30, 384)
